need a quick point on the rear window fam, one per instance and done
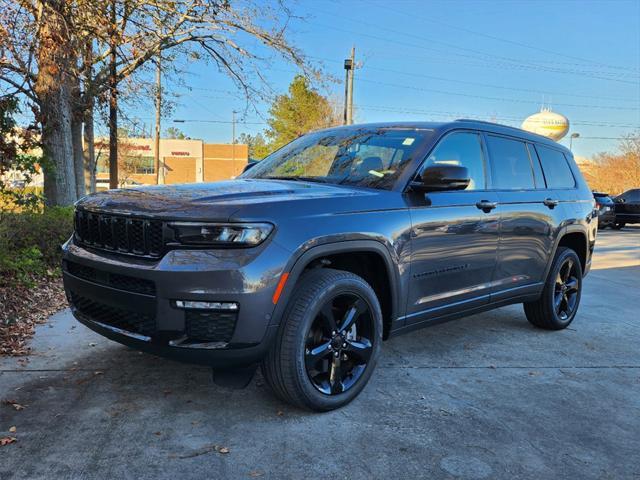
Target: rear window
(604, 200)
(555, 167)
(510, 164)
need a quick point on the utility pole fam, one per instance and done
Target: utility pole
(156, 146)
(113, 101)
(233, 139)
(348, 65)
(352, 71)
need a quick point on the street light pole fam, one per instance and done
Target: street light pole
(573, 135)
(348, 88)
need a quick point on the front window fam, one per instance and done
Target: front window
(364, 157)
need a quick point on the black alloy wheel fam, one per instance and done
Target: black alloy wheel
(339, 346)
(558, 303)
(328, 341)
(567, 289)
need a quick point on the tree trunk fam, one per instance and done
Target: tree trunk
(89, 150)
(53, 88)
(113, 103)
(78, 154)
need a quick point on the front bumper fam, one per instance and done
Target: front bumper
(132, 301)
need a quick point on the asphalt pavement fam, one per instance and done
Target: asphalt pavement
(487, 396)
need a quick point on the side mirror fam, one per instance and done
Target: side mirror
(437, 178)
(249, 166)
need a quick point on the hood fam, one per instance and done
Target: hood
(211, 201)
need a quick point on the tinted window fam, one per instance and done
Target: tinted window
(355, 156)
(631, 196)
(556, 169)
(510, 164)
(462, 149)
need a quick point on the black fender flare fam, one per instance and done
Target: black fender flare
(298, 263)
(564, 231)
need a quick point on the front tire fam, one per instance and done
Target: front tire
(328, 342)
(557, 306)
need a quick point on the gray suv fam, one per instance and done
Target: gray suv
(338, 241)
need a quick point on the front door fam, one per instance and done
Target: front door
(454, 236)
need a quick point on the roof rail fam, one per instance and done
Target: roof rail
(482, 121)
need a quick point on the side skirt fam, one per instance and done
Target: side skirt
(463, 313)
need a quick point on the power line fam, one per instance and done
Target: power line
(467, 82)
(500, 99)
(217, 121)
(511, 63)
(500, 39)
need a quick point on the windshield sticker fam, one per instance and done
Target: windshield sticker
(408, 141)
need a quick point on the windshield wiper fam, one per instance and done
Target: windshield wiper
(298, 179)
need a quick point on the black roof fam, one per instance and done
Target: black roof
(463, 123)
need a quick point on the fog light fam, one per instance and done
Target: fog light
(190, 304)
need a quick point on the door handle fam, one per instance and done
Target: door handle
(486, 206)
(551, 202)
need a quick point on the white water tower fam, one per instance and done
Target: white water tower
(547, 123)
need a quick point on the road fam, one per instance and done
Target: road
(488, 396)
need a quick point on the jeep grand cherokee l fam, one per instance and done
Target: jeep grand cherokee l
(341, 239)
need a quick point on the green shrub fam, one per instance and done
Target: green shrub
(30, 242)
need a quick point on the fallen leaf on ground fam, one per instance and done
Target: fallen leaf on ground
(255, 473)
(223, 450)
(14, 404)
(22, 310)
(12, 430)
(157, 433)
(7, 440)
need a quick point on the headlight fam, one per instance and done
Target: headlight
(220, 234)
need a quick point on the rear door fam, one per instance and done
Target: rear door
(628, 206)
(530, 215)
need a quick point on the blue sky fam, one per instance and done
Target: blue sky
(439, 60)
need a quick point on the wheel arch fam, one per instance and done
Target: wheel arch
(576, 238)
(349, 255)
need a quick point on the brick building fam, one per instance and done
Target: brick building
(185, 161)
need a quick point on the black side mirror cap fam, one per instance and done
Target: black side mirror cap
(437, 178)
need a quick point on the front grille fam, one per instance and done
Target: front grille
(210, 326)
(118, 233)
(143, 324)
(115, 280)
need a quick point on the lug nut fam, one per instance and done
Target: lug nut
(337, 354)
(344, 345)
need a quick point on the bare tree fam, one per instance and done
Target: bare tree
(616, 172)
(63, 55)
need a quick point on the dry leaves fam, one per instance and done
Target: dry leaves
(7, 440)
(23, 308)
(14, 404)
(12, 429)
(202, 451)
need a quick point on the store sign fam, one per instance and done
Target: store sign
(180, 154)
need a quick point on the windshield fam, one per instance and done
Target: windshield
(356, 156)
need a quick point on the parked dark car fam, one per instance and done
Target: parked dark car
(627, 208)
(340, 240)
(606, 210)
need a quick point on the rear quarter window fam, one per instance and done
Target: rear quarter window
(556, 168)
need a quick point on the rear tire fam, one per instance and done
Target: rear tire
(313, 366)
(557, 306)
